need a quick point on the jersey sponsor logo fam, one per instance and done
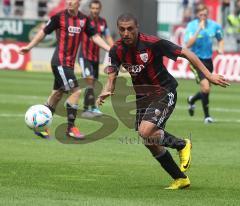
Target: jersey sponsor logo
(9, 57)
(74, 30)
(144, 57)
(134, 69)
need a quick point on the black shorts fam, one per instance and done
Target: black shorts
(89, 68)
(198, 74)
(156, 110)
(64, 78)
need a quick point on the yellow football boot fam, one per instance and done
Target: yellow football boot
(180, 183)
(185, 156)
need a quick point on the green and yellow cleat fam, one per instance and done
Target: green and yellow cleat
(45, 134)
(180, 183)
(185, 156)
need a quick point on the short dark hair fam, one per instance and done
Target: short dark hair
(127, 17)
(95, 2)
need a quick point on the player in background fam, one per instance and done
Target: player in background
(199, 36)
(142, 56)
(69, 26)
(89, 57)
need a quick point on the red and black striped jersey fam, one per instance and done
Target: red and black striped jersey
(89, 50)
(144, 62)
(69, 30)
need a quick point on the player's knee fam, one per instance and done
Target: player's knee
(206, 89)
(144, 132)
(76, 92)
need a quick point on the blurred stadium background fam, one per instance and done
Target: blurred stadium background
(20, 20)
(115, 170)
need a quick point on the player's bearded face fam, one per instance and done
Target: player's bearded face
(95, 10)
(73, 4)
(128, 31)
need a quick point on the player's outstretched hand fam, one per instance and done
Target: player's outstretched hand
(102, 97)
(24, 50)
(219, 80)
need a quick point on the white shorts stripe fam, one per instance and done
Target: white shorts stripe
(164, 114)
(166, 110)
(81, 62)
(64, 79)
(171, 98)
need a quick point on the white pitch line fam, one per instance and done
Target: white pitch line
(11, 115)
(216, 109)
(4, 98)
(21, 96)
(189, 119)
(201, 120)
(175, 119)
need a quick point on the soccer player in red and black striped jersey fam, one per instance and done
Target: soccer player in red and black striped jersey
(142, 56)
(69, 25)
(89, 57)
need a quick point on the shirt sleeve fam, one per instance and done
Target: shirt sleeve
(52, 24)
(106, 31)
(113, 61)
(188, 33)
(219, 32)
(168, 49)
(90, 29)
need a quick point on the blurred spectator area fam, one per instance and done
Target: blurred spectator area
(18, 8)
(164, 15)
(32, 9)
(6, 4)
(27, 9)
(42, 8)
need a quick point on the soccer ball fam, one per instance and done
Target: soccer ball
(38, 117)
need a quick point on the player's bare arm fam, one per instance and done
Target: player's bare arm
(214, 78)
(221, 46)
(109, 40)
(100, 42)
(193, 39)
(108, 88)
(38, 38)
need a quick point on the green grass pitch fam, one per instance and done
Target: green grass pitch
(108, 172)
